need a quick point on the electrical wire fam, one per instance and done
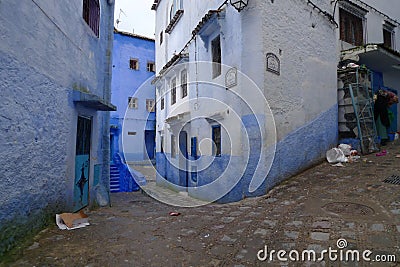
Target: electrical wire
(323, 12)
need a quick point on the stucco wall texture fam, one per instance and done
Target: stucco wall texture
(302, 97)
(128, 82)
(47, 51)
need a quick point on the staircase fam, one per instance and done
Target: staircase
(114, 179)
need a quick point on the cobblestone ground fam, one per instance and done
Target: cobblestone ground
(310, 211)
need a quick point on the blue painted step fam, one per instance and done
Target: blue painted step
(114, 179)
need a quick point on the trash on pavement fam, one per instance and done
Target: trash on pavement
(353, 158)
(338, 165)
(72, 221)
(335, 155)
(174, 213)
(345, 148)
(343, 153)
(382, 153)
(353, 152)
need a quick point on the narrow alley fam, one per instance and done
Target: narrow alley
(310, 211)
(222, 133)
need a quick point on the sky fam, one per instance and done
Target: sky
(135, 16)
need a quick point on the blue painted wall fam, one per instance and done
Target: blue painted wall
(297, 151)
(126, 83)
(47, 52)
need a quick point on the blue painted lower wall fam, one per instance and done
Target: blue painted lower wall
(301, 149)
(37, 156)
(298, 151)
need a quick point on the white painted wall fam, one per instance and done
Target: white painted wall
(307, 84)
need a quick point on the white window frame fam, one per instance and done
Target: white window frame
(184, 71)
(387, 26)
(173, 88)
(137, 63)
(132, 103)
(150, 107)
(151, 66)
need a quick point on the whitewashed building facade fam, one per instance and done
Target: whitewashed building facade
(229, 131)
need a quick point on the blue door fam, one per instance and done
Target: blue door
(150, 141)
(183, 162)
(193, 151)
(82, 163)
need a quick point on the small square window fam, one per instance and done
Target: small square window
(150, 105)
(134, 64)
(151, 67)
(132, 102)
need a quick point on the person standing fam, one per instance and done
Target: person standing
(384, 100)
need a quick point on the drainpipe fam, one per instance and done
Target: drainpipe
(109, 29)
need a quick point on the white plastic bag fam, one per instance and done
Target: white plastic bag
(345, 148)
(335, 155)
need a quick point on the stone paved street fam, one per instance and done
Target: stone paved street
(310, 211)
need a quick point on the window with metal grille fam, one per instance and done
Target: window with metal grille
(162, 104)
(83, 135)
(216, 137)
(151, 67)
(134, 64)
(216, 56)
(132, 102)
(91, 14)
(351, 28)
(173, 91)
(150, 105)
(183, 83)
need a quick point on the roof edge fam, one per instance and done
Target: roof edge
(133, 35)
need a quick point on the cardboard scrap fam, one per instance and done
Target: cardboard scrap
(338, 165)
(72, 221)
